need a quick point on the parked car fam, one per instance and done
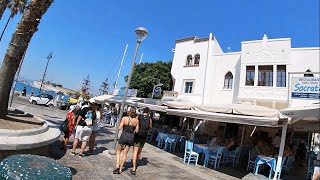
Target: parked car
(66, 105)
(42, 99)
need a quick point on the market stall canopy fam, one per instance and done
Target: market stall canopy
(241, 109)
(228, 118)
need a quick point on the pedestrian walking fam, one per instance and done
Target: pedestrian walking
(83, 127)
(145, 124)
(24, 91)
(70, 117)
(129, 125)
(96, 127)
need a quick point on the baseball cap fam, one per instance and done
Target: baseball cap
(72, 107)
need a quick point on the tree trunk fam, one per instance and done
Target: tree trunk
(5, 27)
(20, 40)
(3, 6)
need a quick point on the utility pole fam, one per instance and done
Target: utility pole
(45, 70)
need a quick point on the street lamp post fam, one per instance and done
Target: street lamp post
(45, 71)
(142, 34)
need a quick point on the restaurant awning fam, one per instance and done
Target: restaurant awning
(241, 109)
(302, 113)
(228, 118)
(153, 107)
(306, 118)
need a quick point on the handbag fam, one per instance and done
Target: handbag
(88, 121)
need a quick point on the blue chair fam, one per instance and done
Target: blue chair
(171, 142)
(251, 164)
(150, 136)
(215, 158)
(189, 155)
(288, 164)
(234, 156)
(182, 142)
(310, 168)
(284, 165)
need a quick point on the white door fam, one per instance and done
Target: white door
(43, 99)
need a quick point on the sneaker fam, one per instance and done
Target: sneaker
(73, 153)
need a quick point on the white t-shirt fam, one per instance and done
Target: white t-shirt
(97, 125)
(276, 142)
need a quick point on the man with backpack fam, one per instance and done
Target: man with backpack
(145, 124)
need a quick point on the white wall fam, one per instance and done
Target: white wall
(303, 59)
(264, 52)
(182, 73)
(254, 53)
(218, 67)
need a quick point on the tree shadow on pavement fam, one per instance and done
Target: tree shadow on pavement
(99, 150)
(56, 152)
(105, 131)
(103, 141)
(142, 162)
(73, 171)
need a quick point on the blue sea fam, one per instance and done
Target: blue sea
(36, 91)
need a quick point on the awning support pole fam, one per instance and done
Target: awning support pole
(194, 128)
(282, 143)
(242, 136)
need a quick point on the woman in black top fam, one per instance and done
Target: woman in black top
(130, 126)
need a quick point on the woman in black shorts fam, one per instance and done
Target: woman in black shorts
(130, 126)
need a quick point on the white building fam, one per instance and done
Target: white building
(259, 73)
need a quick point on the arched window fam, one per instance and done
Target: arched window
(308, 75)
(228, 81)
(197, 59)
(189, 60)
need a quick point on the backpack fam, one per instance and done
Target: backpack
(144, 124)
(64, 126)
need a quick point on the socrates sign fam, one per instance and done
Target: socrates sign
(305, 87)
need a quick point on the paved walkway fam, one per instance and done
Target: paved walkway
(155, 163)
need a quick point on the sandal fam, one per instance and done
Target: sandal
(73, 153)
(133, 172)
(116, 171)
(81, 155)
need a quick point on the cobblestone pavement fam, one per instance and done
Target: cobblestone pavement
(155, 163)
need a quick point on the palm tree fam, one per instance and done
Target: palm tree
(27, 26)
(15, 6)
(3, 6)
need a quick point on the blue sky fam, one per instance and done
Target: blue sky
(88, 37)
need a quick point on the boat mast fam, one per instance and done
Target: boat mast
(124, 54)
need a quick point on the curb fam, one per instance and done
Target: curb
(28, 138)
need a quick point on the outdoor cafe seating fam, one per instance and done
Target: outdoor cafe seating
(189, 154)
(233, 157)
(215, 158)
